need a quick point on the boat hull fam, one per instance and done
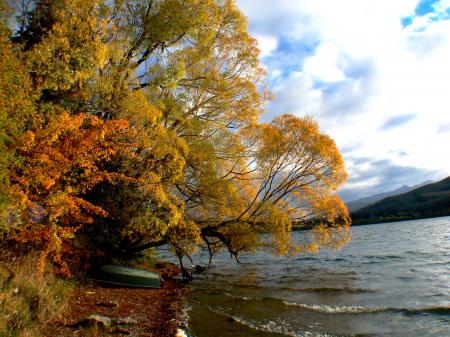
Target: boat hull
(127, 277)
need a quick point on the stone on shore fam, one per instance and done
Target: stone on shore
(98, 319)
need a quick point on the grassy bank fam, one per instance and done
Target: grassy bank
(33, 305)
(29, 300)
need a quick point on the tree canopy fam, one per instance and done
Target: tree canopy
(129, 124)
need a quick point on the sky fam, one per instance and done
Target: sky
(374, 74)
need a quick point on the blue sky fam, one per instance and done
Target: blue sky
(374, 74)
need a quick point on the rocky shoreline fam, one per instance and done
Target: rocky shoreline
(97, 311)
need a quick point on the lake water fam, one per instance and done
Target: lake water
(391, 280)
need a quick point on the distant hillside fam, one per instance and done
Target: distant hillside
(428, 201)
(355, 205)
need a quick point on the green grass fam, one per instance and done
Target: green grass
(27, 300)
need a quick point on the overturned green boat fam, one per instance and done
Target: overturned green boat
(128, 277)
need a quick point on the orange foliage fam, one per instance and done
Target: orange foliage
(62, 162)
(136, 123)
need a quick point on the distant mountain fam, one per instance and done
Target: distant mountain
(355, 205)
(428, 201)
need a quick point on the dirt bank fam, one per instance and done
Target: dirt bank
(133, 312)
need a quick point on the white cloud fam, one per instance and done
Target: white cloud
(266, 44)
(442, 6)
(323, 65)
(296, 93)
(365, 69)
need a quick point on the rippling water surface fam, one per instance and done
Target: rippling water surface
(392, 280)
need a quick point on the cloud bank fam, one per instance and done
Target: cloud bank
(376, 76)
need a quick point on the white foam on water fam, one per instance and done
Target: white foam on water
(185, 317)
(180, 333)
(279, 327)
(244, 298)
(335, 309)
(267, 326)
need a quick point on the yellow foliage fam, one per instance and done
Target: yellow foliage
(73, 49)
(288, 176)
(144, 129)
(16, 111)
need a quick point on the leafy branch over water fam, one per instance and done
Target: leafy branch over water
(130, 124)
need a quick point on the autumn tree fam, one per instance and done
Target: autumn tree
(145, 122)
(16, 109)
(283, 173)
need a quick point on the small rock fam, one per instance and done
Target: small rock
(109, 304)
(122, 331)
(101, 320)
(126, 320)
(37, 213)
(199, 269)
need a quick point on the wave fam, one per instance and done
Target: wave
(334, 309)
(381, 257)
(243, 298)
(306, 258)
(345, 309)
(274, 327)
(338, 290)
(429, 310)
(354, 309)
(270, 326)
(306, 290)
(326, 289)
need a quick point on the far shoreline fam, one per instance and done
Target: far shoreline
(394, 220)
